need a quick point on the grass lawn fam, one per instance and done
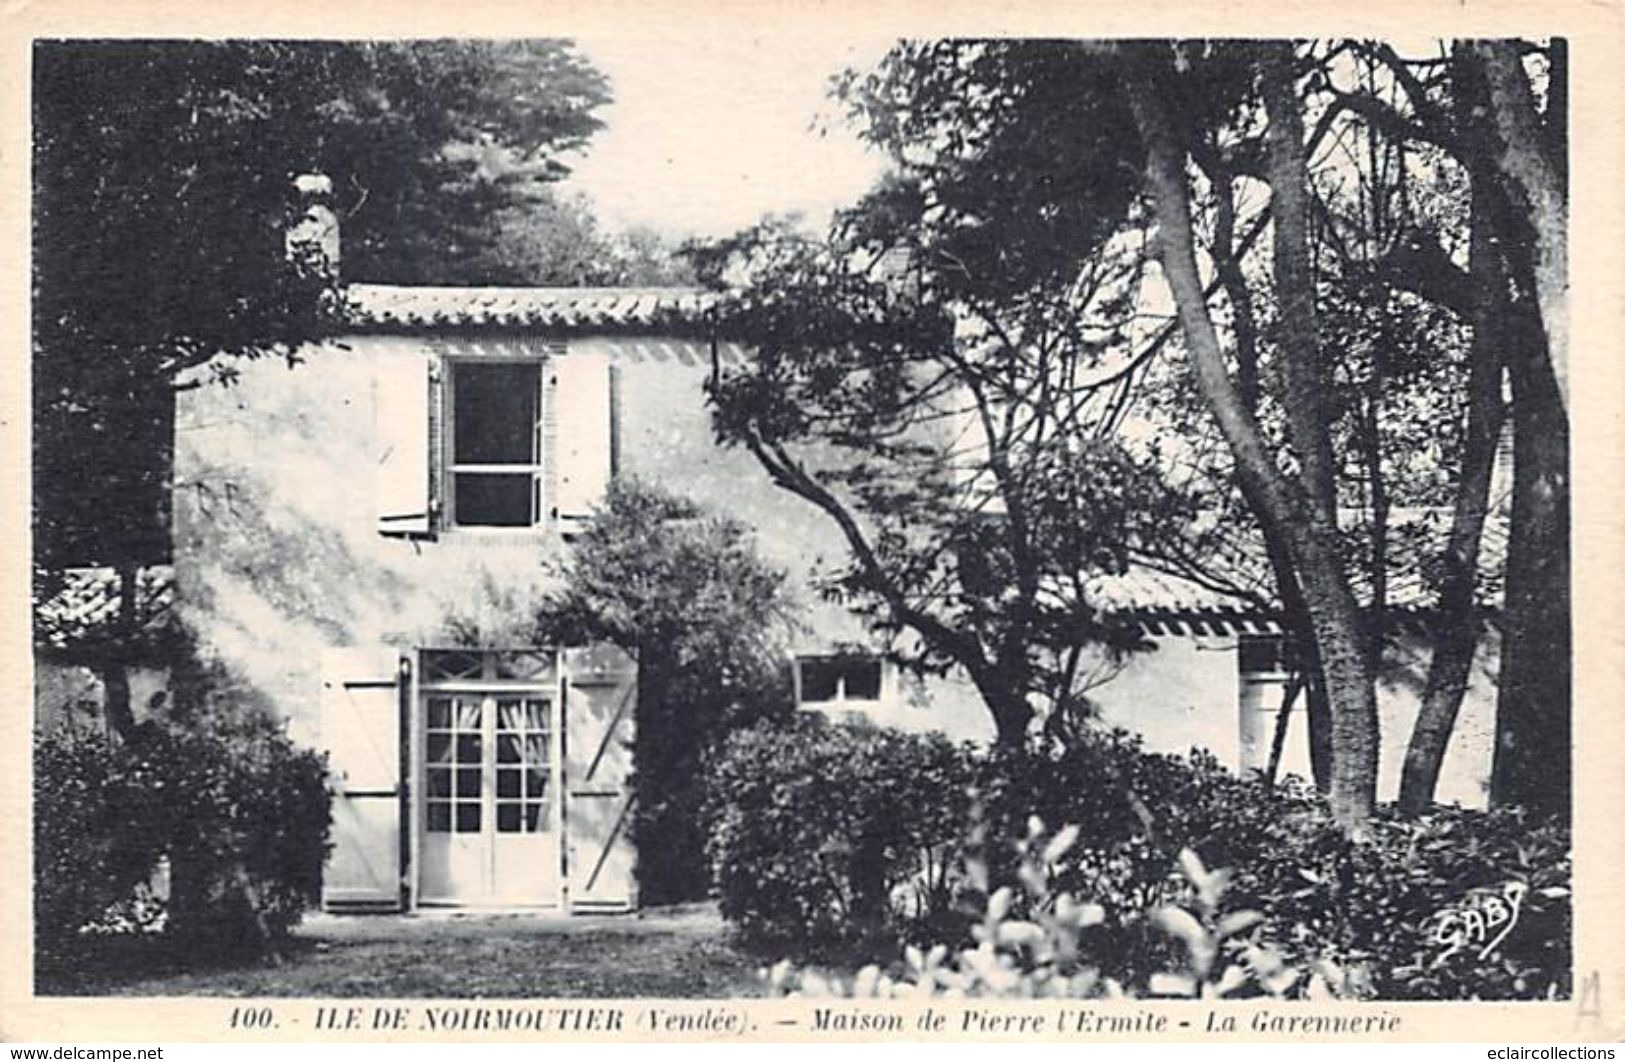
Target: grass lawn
(672, 953)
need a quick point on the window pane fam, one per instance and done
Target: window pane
(495, 415)
(508, 818)
(535, 820)
(508, 784)
(468, 782)
(536, 782)
(452, 665)
(468, 818)
(439, 748)
(521, 665)
(439, 713)
(1259, 654)
(439, 817)
(493, 499)
(507, 748)
(468, 748)
(818, 680)
(536, 715)
(439, 782)
(862, 680)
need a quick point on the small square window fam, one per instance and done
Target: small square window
(1261, 654)
(837, 680)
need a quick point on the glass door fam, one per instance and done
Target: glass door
(490, 799)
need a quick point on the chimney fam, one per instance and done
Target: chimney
(314, 235)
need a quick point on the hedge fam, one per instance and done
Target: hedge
(823, 836)
(240, 813)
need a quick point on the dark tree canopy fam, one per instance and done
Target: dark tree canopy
(163, 191)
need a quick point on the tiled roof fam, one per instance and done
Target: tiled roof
(626, 311)
(1161, 600)
(81, 605)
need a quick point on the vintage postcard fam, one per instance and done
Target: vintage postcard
(700, 522)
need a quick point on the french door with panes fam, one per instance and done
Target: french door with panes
(490, 773)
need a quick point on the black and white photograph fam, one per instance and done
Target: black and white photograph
(818, 520)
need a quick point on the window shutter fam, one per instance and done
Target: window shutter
(583, 440)
(403, 391)
(600, 703)
(360, 713)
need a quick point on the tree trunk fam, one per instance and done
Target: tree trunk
(1317, 710)
(1341, 641)
(1301, 510)
(115, 669)
(1539, 186)
(1532, 742)
(1510, 150)
(1008, 702)
(1456, 636)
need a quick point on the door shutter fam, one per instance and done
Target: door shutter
(583, 439)
(361, 710)
(600, 702)
(402, 390)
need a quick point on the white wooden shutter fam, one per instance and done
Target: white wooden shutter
(402, 393)
(600, 702)
(361, 734)
(582, 439)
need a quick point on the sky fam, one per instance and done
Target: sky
(706, 135)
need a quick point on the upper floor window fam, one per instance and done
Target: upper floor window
(471, 441)
(495, 466)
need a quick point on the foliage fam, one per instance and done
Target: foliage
(1044, 950)
(1319, 191)
(827, 836)
(1367, 920)
(89, 850)
(238, 811)
(162, 195)
(940, 430)
(707, 619)
(555, 239)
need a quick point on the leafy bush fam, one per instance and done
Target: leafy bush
(706, 618)
(246, 828)
(825, 836)
(240, 813)
(1378, 912)
(90, 848)
(1383, 907)
(1033, 942)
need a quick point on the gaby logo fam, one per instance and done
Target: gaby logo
(1483, 919)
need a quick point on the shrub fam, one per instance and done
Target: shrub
(1382, 907)
(1032, 940)
(247, 831)
(1377, 912)
(706, 618)
(91, 850)
(826, 836)
(240, 813)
